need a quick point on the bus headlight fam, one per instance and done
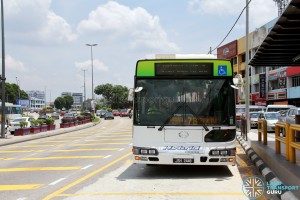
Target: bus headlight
(223, 152)
(144, 151)
(215, 152)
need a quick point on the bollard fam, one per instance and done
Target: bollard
(265, 132)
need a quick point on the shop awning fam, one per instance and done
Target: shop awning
(281, 47)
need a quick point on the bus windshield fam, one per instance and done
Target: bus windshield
(184, 102)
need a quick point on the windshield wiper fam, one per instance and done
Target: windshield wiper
(197, 116)
(176, 110)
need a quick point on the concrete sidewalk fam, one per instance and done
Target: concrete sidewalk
(273, 166)
(11, 139)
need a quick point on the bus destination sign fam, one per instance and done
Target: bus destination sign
(185, 69)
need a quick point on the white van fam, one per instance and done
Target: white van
(276, 108)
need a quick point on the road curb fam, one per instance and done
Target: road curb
(46, 134)
(266, 172)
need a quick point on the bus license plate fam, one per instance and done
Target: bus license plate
(183, 160)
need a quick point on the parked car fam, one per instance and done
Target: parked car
(115, 112)
(55, 115)
(108, 115)
(69, 117)
(282, 118)
(254, 118)
(15, 123)
(272, 118)
(123, 113)
(43, 117)
(101, 113)
(291, 119)
(291, 115)
(98, 112)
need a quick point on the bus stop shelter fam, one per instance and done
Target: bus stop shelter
(281, 47)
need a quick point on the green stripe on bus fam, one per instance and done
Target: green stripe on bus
(146, 67)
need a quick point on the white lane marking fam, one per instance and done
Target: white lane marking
(121, 149)
(88, 166)
(107, 156)
(22, 198)
(57, 181)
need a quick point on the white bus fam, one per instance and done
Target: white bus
(276, 108)
(12, 111)
(184, 112)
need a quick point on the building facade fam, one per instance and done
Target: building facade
(77, 99)
(37, 99)
(268, 85)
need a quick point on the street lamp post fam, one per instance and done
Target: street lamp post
(92, 45)
(84, 84)
(18, 84)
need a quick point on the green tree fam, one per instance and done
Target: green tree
(115, 95)
(12, 92)
(59, 103)
(68, 102)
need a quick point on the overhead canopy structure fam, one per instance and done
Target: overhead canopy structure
(281, 47)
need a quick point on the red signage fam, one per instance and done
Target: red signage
(228, 50)
(290, 71)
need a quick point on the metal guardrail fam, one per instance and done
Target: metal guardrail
(293, 145)
(290, 140)
(262, 130)
(278, 139)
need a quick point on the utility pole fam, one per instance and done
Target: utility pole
(3, 113)
(247, 84)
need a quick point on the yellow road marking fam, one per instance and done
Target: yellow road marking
(94, 144)
(58, 192)
(156, 193)
(50, 141)
(38, 169)
(20, 187)
(113, 136)
(94, 149)
(244, 166)
(21, 151)
(62, 157)
(108, 139)
(38, 145)
(7, 158)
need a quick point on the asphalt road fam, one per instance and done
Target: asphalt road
(95, 163)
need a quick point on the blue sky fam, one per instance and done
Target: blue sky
(45, 39)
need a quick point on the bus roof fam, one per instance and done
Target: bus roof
(185, 56)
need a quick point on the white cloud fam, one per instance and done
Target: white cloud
(33, 20)
(97, 65)
(14, 65)
(118, 21)
(56, 29)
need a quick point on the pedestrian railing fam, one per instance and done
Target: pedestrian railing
(293, 145)
(284, 127)
(262, 130)
(289, 139)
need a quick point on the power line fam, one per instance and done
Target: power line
(210, 51)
